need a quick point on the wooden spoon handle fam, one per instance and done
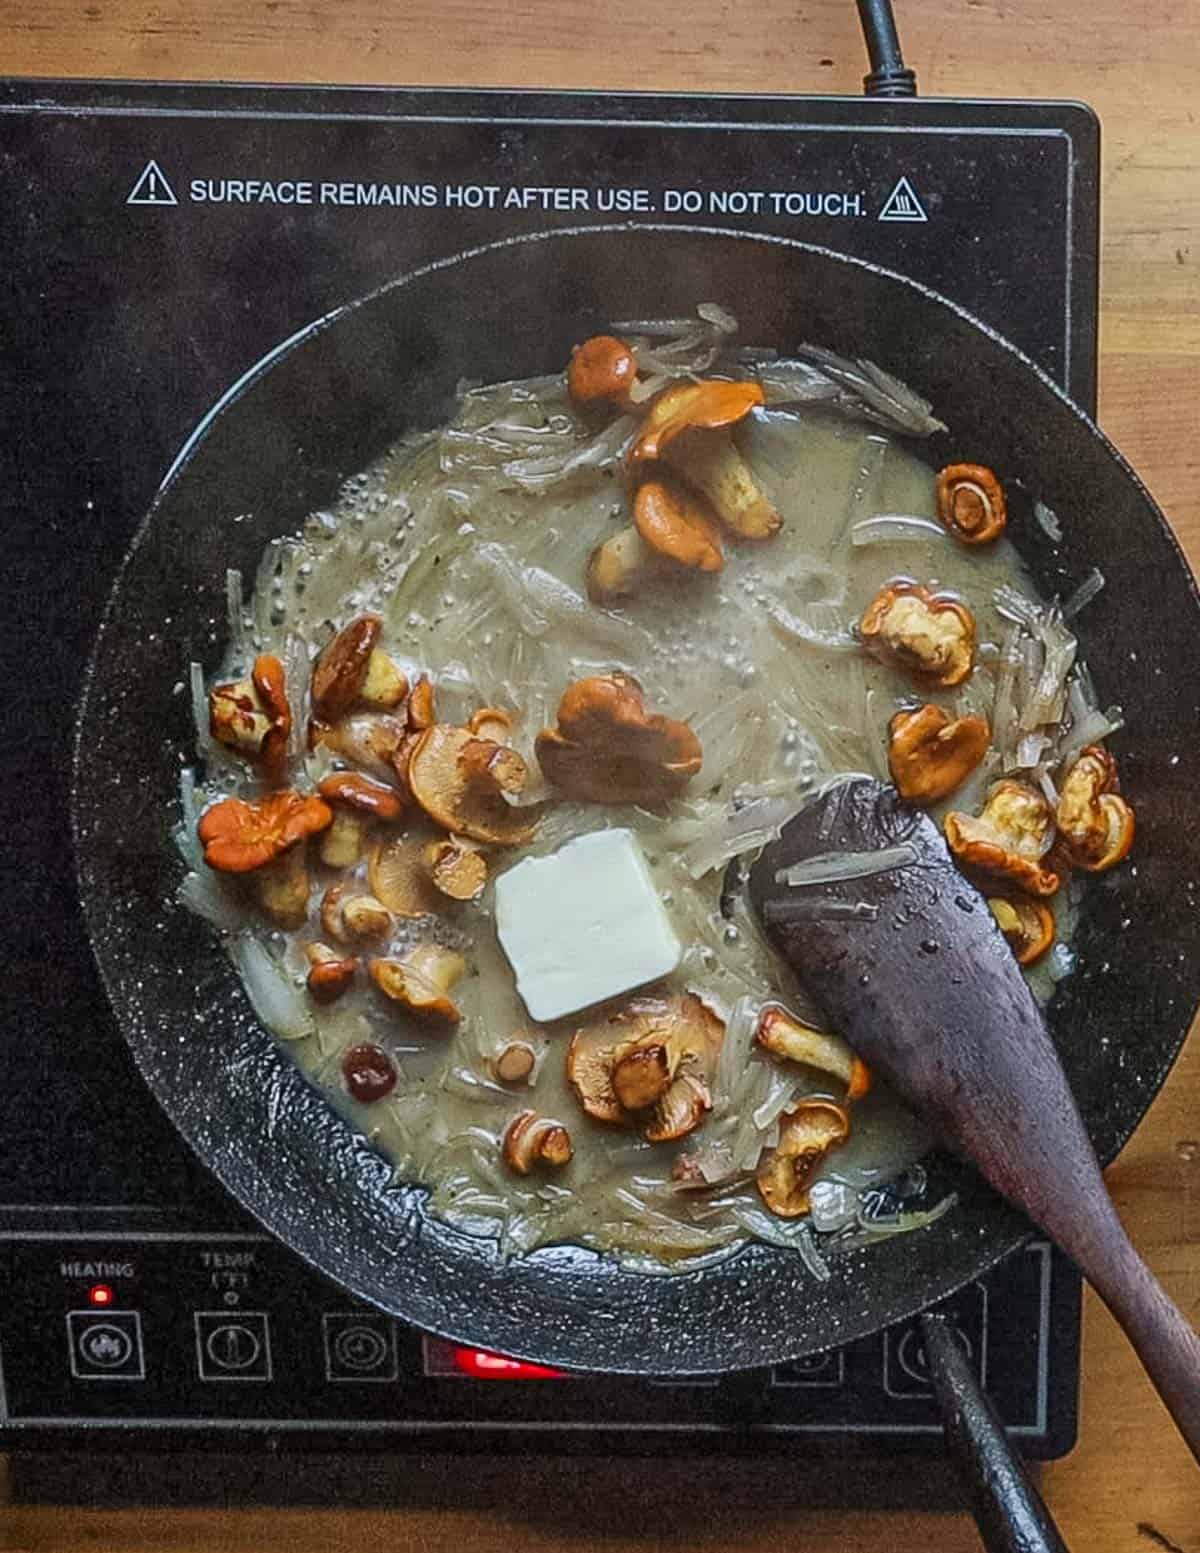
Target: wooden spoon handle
(1165, 1343)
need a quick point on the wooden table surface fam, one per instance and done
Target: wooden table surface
(1130, 1486)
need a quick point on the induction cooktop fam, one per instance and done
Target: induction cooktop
(160, 240)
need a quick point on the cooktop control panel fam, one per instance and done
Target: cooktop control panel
(229, 1334)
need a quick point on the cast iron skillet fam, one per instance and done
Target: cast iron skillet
(322, 407)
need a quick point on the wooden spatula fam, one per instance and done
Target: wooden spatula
(909, 965)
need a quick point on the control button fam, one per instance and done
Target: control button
(106, 1345)
(232, 1345)
(827, 1370)
(905, 1364)
(359, 1346)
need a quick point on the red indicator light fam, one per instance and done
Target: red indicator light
(481, 1365)
(100, 1294)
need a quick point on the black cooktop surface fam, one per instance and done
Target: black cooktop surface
(159, 241)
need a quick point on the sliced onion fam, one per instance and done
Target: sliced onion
(539, 601)
(281, 1006)
(1047, 520)
(783, 1090)
(235, 615)
(1093, 729)
(728, 732)
(735, 1049)
(798, 630)
(741, 831)
(811, 909)
(1030, 749)
(1083, 595)
(203, 893)
(891, 526)
(467, 1085)
(602, 451)
(832, 867)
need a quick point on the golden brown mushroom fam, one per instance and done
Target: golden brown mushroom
(514, 1063)
(1009, 839)
(709, 405)
(352, 669)
(711, 463)
(421, 982)
(265, 839)
(929, 755)
(678, 525)
(253, 716)
(399, 877)
(926, 633)
(970, 503)
(421, 712)
(664, 1050)
(603, 371)
(614, 567)
(783, 1035)
(372, 740)
(351, 916)
(491, 722)
(532, 1140)
(356, 801)
(1095, 824)
(456, 867)
(460, 781)
(1027, 924)
(331, 973)
(806, 1135)
(608, 749)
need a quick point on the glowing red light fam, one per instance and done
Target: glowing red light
(480, 1364)
(100, 1294)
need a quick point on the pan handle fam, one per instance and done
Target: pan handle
(1008, 1509)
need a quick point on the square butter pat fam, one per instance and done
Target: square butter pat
(583, 924)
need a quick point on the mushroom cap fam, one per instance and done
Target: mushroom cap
(1095, 824)
(686, 405)
(608, 749)
(239, 836)
(399, 877)
(683, 1028)
(929, 755)
(806, 1135)
(1009, 839)
(330, 978)
(269, 681)
(970, 503)
(371, 739)
(421, 712)
(1027, 924)
(783, 1035)
(421, 981)
(602, 371)
(491, 722)
(929, 634)
(363, 794)
(339, 672)
(349, 913)
(462, 787)
(456, 867)
(531, 1140)
(678, 524)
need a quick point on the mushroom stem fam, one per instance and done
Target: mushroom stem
(282, 887)
(710, 461)
(614, 567)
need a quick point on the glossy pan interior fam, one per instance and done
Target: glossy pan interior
(325, 405)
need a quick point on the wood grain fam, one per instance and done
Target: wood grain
(1131, 1479)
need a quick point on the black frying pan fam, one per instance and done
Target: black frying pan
(326, 404)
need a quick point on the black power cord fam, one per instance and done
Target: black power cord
(889, 76)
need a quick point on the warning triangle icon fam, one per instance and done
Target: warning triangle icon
(152, 188)
(902, 204)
